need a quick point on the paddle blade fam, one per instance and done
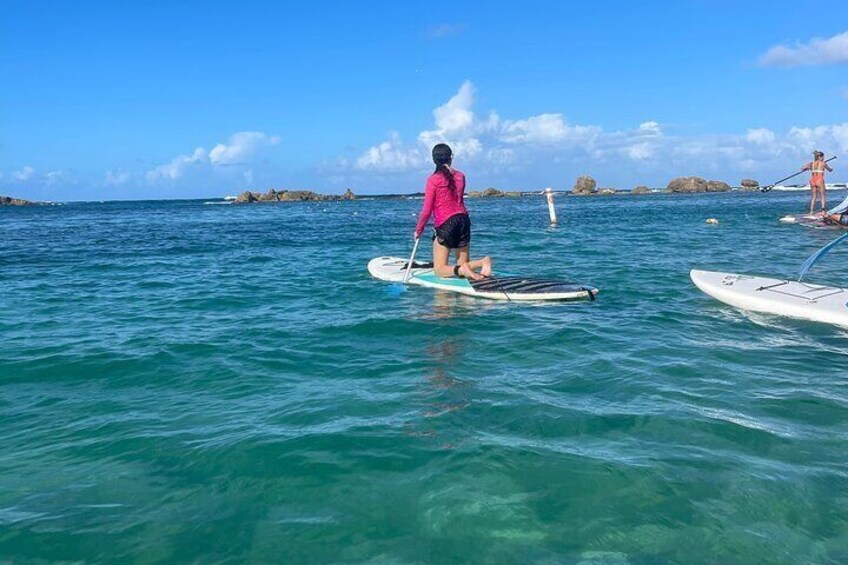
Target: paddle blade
(395, 290)
(818, 255)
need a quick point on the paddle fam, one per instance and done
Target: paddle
(769, 187)
(500, 284)
(818, 255)
(411, 259)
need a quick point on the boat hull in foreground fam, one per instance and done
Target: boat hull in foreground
(804, 301)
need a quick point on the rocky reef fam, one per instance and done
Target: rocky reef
(585, 185)
(696, 184)
(641, 189)
(9, 201)
(272, 195)
(749, 185)
(491, 193)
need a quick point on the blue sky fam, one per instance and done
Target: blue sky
(181, 99)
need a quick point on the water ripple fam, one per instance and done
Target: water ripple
(181, 382)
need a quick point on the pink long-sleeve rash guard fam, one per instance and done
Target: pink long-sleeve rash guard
(440, 200)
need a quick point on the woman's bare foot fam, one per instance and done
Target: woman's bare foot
(486, 270)
(468, 272)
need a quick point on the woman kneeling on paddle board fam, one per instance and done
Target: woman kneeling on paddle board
(443, 199)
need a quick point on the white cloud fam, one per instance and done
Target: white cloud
(650, 128)
(760, 136)
(390, 155)
(30, 176)
(748, 164)
(456, 113)
(471, 137)
(178, 166)
(546, 129)
(457, 125)
(640, 151)
(241, 147)
(818, 51)
(117, 177)
(501, 156)
(833, 138)
(466, 148)
(54, 177)
(524, 149)
(25, 174)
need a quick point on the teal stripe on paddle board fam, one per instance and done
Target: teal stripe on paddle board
(435, 279)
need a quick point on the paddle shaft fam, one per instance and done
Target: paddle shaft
(500, 284)
(411, 259)
(769, 187)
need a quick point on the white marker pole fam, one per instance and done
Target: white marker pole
(551, 210)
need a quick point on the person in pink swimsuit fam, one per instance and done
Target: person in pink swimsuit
(443, 199)
(817, 167)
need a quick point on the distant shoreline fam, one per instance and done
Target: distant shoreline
(835, 187)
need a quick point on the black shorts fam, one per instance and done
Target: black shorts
(843, 219)
(455, 232)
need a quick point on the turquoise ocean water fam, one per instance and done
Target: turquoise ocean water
(182, 382)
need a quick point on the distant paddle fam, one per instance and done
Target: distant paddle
(818, 255)
(769, 187)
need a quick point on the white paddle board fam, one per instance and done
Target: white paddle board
(393, 269)
(811, 221)
(793, 299)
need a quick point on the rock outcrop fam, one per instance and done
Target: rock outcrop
(248, 197)
(697, 184)
(9, 201)
(717, 186)
(687, 184)
(641, 189)
(584, 185)
(245, 197)
(750, 185)
(491, 193)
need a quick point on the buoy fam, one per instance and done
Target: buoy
(712, 221)
(549, 193)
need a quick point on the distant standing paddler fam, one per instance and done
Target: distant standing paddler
(817, 167)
